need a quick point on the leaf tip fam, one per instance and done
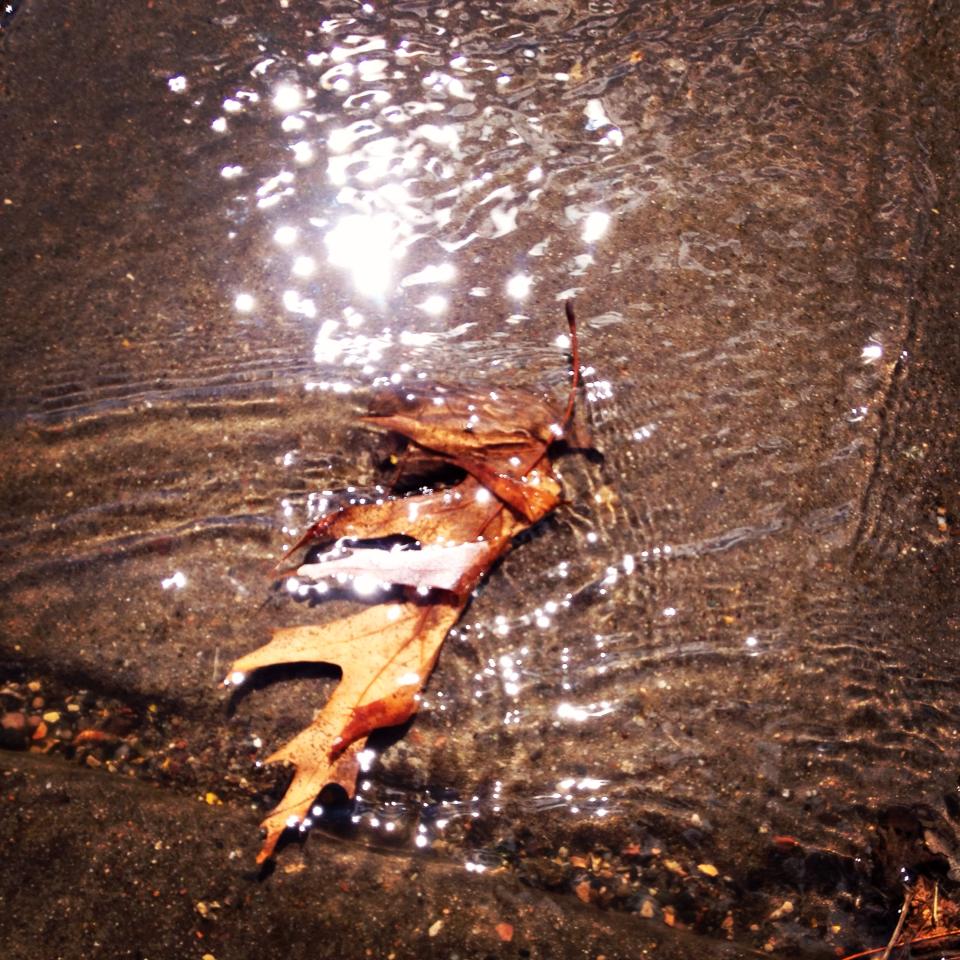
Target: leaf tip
(273, 828)
(268, 849)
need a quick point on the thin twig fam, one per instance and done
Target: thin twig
(575, 362)
(929, 938)
(899, 928)
(936, 903)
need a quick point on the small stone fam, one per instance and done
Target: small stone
(73, 707)
(504, 931)
(33, 686)
(783, 910)
(648, 909)
(582, 890)
(435, 928)
(708, 869)
(52, 716)
(13, 730)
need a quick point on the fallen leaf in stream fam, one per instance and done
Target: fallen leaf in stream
(502, 441)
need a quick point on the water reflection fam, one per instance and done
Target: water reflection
(389, 140)
(433, 182)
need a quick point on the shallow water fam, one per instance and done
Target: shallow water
(227, 230)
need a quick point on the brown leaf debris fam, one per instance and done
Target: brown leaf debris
(502, 442)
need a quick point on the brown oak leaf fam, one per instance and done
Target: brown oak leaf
(501, 441)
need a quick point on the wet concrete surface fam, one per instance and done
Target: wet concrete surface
(735, 647)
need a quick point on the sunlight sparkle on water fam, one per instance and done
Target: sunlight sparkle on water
(434, 305)
(285, 235)
(871, 352)
(244, 302)
(518, 286)
(366, 246)
(595, 226)
(567, 711)
(304, 266)
(590, 783)
(293, 302)
(302, 151)
(178, 580)
(287, 99)
(326, 349)
(364, 585)
(434, 273)
(340, 139)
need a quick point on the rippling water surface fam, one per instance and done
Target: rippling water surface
(279, 214)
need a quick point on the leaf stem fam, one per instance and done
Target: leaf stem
(575, 363)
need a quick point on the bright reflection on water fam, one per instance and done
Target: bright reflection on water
(368, 247)
(414, 198)
(381, 185)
